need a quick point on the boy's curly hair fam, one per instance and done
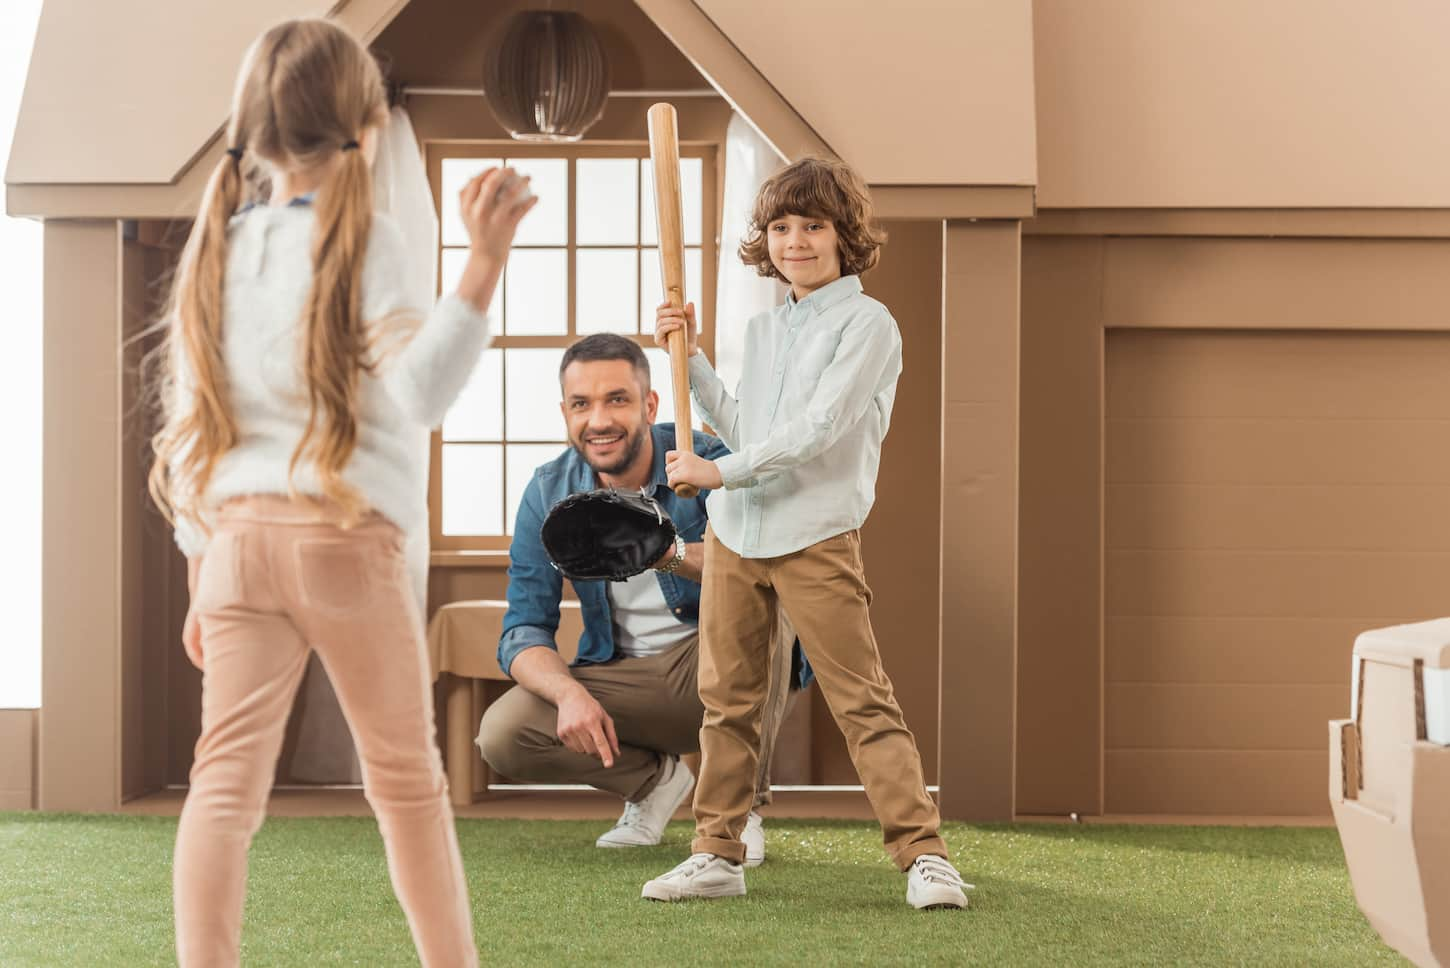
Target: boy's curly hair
(816, 188)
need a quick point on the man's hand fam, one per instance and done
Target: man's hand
(687, 467)
(585, 727)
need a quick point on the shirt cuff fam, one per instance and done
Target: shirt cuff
(520, 638)
(700, 368)
(734, 471)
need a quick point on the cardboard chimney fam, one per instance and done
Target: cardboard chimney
(1389, 786)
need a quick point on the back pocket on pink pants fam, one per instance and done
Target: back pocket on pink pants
(337, 576)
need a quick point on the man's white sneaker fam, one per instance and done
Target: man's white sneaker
(703, 875)
(754, 838)
(643, 823)
(932, 882)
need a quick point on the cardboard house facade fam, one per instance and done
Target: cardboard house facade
(1170, 280)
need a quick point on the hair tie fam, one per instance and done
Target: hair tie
(350, 146)
(236, 154)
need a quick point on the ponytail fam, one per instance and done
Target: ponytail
(199, 424)
(335, 342)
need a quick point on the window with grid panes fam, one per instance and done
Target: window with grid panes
(585, 260)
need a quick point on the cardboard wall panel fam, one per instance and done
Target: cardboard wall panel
(1239, 103)
(1269, 496)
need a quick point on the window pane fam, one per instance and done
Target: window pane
(692, 172)
(652, 290)
(662, 383)
(522, 460)
(548, 223)
(605, 194)
(451, 268)
(456, 173)
(477, 414)
(533, 394)
(536, 293)
(607, 290)
(472, 489)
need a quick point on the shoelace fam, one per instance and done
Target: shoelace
(691, 864)
(632, 815)
(937, 871)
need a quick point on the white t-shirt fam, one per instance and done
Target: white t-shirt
(643, 622)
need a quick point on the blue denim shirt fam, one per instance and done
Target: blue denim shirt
(535, 587)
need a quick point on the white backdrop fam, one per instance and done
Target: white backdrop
(20, 398)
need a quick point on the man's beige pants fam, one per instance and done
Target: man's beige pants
(655, 704)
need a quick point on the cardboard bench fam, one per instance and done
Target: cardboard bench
(463, 647)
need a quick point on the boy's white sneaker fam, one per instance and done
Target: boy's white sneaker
(643, 823)
(703, 875)
(932, 883)
(754, 838)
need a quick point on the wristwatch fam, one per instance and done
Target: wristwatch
(671, 566)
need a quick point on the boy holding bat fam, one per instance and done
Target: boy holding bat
(805, 428)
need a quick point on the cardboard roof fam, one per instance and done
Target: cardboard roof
(102, 102)
(910, 92)
(123, 100)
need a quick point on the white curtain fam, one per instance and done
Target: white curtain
(400, 188)
(740, 292)
(324, 752)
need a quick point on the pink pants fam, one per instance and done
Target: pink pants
(277, 581)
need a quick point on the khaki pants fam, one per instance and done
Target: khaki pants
(655, 704)
(823, 587)
(276, 583)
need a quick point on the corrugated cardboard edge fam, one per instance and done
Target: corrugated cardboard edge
(1430, 823)
(1399, 863)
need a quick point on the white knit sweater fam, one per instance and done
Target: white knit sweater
(269, 272)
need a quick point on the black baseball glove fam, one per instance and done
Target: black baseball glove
(606, 535)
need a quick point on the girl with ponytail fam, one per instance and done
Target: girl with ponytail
(297, 371)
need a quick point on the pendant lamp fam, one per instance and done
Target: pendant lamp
(547, 79)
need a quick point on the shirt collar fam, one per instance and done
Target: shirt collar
(826, 296)
(307, 198)
(663, 440)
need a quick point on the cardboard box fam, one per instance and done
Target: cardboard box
(1389, 787)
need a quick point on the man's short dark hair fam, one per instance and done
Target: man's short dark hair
(607, 346)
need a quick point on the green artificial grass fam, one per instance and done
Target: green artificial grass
(96, 890)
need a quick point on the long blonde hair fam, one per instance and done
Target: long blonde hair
(306, 93)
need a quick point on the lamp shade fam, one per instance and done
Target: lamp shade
(548, 78)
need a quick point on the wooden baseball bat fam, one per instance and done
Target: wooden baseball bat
(664, 152)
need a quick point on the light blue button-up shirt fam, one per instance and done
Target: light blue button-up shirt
(805, 424)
